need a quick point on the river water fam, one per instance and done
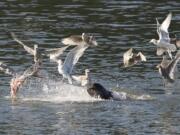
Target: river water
(46, 106)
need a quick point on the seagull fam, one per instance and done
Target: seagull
(35, 52)
(163, 44)
(19, 78)
(129, 58)
(82, 79)
(167, 68)
(83, 39)
(65, 68)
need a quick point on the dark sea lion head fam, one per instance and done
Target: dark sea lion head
(97, 90)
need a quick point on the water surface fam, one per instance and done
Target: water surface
(45, 107)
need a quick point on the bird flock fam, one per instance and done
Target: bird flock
(166, 46)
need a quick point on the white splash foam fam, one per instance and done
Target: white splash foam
(55, 91)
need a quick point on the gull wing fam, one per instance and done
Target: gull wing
(28, 49)
(127, 55)
(163, 30)
(4, 68)
(55, 53)
(143, 57)
(77, 78)
(73, 57)
(172, 65)
(166, 23)
(72, 40)
(158, 26)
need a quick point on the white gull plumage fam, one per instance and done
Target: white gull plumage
(163, 44)
(167, 68)
(83, 39)
(65, 68)
(82, 79)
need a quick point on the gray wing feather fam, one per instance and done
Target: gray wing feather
(164, 35)
(173, 64)
(72, 40)
(55, 53)
(158, 26)
(127, 55)
(73, 57)
(28, 49)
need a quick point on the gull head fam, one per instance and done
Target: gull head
(154, 41)
(92, 41)
(87, 70)
(35, 46)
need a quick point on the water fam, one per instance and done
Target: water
(47, 107)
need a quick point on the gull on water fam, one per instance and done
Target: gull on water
(167, 68)
(65, 68)
(83, 39)
(129, 58)
(82, 79)
(19, 78)
(163, 44)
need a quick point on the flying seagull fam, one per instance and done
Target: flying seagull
(167, 68)
(130, 58)
(19, 78)
(163, 44)
(35, 52)
(65, 68)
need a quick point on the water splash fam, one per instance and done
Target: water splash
(54, 91)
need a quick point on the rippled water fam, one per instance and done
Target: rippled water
(47, 107)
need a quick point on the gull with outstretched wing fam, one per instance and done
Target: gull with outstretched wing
(65, 68)
(19, 78)
(167, 68)
(35, 52)
(130, 58)
(163, 44)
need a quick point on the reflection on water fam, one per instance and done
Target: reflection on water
(117, 26)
